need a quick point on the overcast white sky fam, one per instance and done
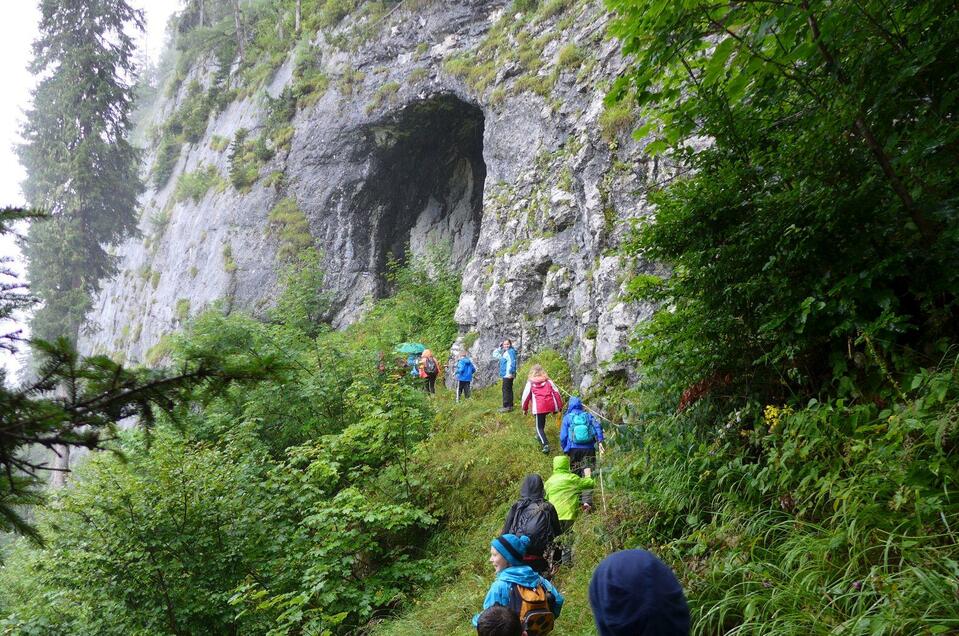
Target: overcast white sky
(18, 29)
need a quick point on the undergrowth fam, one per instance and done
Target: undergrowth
(839, 517)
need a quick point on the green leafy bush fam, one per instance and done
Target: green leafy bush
(167, 155)
(616, 120)
(792, 240)
(385, 94)
(569, 56)
(247, 157)
(332, 11)
(524, 5)
(794, 432)
(782, 505)
(219, 143)
(182, 309)
(195, 185)
(292, 228)
(194, 113)
(554, 7)
(292, 506)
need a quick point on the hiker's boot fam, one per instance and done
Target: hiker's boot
(546, 449)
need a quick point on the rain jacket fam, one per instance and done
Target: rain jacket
(531, 493)
(465, 369)
(563, 488)
(542, 396)
(633, 592)
(518, 575)
(507, 362)
(566, 433)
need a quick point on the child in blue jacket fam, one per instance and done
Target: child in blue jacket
(506, 555)
(464, 375)
(578, 436)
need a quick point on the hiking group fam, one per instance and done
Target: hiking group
(426, 367)
(631, 592)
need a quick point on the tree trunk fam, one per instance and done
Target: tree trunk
(238, 20)
(61, 454)
(202, 12)
(61, 464)
(296, 16)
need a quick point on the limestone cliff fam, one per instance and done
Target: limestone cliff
(458, 122)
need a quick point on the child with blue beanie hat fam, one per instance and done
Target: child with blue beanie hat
(633, 593)
(506, 555)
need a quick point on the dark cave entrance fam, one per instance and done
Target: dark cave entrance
(425, 186)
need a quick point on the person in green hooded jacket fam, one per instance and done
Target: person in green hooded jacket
(563, 489)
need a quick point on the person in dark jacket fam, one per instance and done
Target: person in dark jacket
(531, 508)
(633, 593)
(429, 370)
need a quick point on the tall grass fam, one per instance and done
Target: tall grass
(837, 518)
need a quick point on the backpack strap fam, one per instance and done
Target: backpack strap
(515, 602)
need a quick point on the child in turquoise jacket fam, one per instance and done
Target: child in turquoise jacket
(506, 555)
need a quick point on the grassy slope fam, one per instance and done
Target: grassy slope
(477, 459)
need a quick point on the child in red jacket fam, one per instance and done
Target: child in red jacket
(541, 396)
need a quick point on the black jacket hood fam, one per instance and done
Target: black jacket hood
(532, 488)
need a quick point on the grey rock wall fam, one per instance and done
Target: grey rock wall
(522, 183)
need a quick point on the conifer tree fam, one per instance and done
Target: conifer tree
(78, 401)
(81, 169)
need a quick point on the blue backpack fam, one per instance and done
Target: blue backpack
(582, 429)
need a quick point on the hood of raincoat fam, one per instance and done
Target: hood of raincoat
(633, 592)
(561, 464)
(520, 574)
(532, 488)
(575, 404)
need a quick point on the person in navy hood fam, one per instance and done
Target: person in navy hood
(633, 593)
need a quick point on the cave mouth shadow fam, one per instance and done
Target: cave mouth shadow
(425, 184)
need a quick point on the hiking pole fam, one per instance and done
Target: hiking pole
(602, 484)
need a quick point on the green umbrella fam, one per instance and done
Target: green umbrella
(410, 347)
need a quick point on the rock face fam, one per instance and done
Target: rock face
(458, 123)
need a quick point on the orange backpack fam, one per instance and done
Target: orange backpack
(533, 607)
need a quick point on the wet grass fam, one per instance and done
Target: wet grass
(474, 464)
